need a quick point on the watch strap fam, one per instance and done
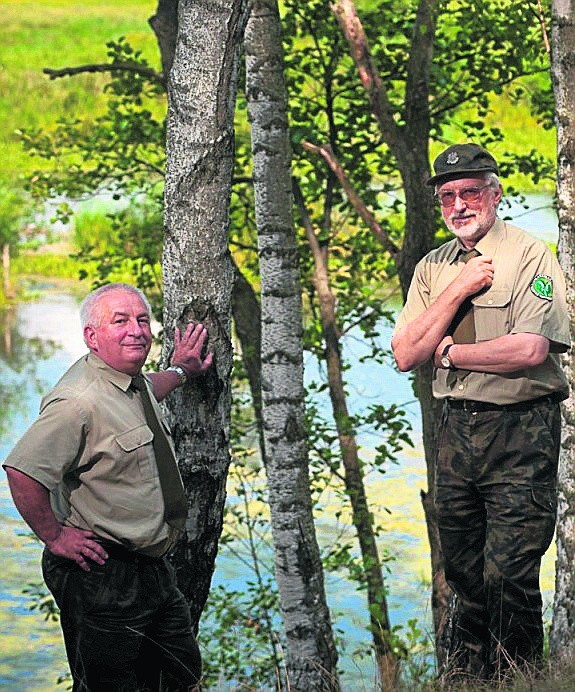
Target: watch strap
(181, 373)
(445, 358)
(445, 351)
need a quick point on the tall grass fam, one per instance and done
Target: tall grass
(93, 230)
(47, 264)
(56, 34)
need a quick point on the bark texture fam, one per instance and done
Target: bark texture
(387, 660)
(165, 25)
(198, 273)
(562, 638)
(247, 319)
(311, 653)
(409, 144)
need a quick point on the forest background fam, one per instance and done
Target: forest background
(40, 35)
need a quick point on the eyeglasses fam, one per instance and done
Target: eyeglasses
(467, 195)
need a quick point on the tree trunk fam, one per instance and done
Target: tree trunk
(311, 653)
(198, 274)
(165, 25)
(6, 269)
(562, 638)
(410, 145)
(362, 518)
(247, 316)
(245, 305)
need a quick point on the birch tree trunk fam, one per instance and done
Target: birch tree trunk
(311, 653)
(245, 305)
(562, 638)
(197, 269)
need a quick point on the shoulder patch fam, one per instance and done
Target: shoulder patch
(542, 286)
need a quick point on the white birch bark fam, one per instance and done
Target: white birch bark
(311, 655)
(197, 270)
(562, 638)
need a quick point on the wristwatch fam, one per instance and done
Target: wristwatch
(445, 360)
(179, 371)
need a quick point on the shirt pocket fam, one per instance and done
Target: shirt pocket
(491, 314)
(137, 446)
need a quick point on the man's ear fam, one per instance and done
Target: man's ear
(90, 338)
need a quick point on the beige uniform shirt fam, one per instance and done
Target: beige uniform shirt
(91, 447)
(519, 301)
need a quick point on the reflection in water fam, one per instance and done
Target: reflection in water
(38, 342)
(36, 347)
(19, 358)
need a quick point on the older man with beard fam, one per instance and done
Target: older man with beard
(488, 308)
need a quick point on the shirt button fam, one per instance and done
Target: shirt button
(489, 302)
(461, 387)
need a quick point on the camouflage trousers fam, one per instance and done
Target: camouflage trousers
(126, 625)
(496, 502)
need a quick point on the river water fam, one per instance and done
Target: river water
(41, 338)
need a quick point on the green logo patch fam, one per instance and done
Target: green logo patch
(542, 286)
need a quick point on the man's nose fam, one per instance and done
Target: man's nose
(136, 327)
(459, 204)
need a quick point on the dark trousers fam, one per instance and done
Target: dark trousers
(496, 503)
(125, 624)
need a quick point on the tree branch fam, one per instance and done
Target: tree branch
(419, 67)
(354, 33)
(472, 96)
(243, 246)
(358, 321)
(146, 72)
(355, 200)
(541, 17)
(150, 166)
(316, 249)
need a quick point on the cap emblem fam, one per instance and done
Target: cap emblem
(452, 158)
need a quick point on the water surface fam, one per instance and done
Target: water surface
(38, 342)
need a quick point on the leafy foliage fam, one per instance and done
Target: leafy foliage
(121, 151)
(42, 601)
(480, 51)
(15, 212)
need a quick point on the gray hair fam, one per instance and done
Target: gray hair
(492, 179)
(90, 313)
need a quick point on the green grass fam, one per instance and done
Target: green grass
(56, 34)
(46, 264)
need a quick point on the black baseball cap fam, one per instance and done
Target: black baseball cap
(462, 161)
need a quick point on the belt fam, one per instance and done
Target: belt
(476, 406)
(118, 552)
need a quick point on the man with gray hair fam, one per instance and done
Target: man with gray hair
(95, 477)
(488, 308)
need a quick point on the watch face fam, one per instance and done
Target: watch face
(445, 362)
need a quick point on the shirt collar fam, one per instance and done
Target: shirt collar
(490, 242)
(120, 379)
(486, 246)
